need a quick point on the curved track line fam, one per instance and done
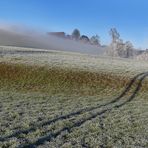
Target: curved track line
(79, 112)
(120, 105)
(51, 136)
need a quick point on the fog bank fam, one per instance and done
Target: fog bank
(22, 37)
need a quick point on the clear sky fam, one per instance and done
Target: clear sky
(130, 17)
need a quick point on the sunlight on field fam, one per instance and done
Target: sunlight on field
(52, 100)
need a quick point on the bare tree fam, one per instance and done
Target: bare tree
(114, 34)
(129, 49)
(118, 47)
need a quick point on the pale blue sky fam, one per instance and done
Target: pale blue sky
(90, 16)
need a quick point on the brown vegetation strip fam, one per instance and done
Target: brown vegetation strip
(45, 79)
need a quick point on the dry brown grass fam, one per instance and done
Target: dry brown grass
(44, 79)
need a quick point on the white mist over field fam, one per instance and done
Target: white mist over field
(26, 37)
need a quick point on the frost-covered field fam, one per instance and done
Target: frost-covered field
(59, 99)
(72, 60)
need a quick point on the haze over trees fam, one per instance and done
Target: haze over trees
(76, 34)
(117, 47)
(85, 39)
(95, 40)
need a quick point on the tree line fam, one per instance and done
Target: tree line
(94, 40)
(117, 46)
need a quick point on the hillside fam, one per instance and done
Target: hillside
(53, 98)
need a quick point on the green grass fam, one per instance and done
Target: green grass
(61, 107)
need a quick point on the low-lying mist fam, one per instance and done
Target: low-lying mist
(25, 37)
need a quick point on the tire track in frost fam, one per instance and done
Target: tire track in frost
(73, 114)
(122, 104)
(77, 124)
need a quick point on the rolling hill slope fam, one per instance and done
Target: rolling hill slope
(62, 99)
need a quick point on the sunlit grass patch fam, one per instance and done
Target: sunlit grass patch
(57, 106)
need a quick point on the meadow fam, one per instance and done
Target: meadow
(61, 99)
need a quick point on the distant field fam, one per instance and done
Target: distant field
(60, 99)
